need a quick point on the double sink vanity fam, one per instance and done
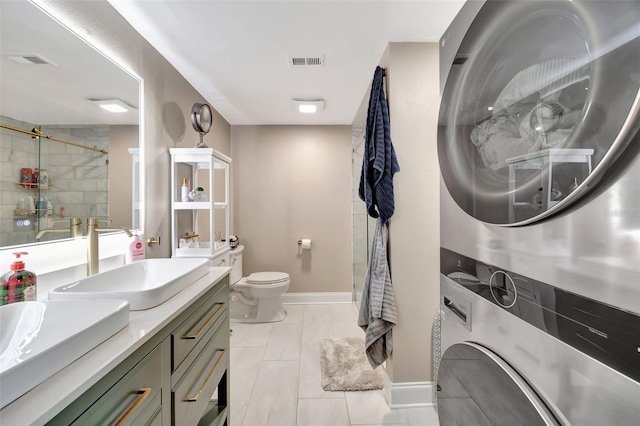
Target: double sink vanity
(146, 343)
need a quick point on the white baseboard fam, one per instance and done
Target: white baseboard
(408, 394)
(323, 297)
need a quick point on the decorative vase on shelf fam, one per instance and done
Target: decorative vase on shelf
(197, 194)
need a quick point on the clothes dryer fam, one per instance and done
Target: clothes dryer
(539, 148)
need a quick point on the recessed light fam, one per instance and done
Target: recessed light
(112, 105)
(309, 106)
(307, 109)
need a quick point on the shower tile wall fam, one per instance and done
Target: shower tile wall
(78, 177)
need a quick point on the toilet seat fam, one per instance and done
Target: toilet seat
(267, 278)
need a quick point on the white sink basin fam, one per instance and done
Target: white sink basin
(144, 284)
(38, 339)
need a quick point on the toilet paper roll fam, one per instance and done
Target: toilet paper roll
(306, 244)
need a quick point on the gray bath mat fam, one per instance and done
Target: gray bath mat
(344, 366)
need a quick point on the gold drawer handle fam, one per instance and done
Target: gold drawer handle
(144, 393)
(206, 324)
(195, 398)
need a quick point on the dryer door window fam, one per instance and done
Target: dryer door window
(541, 98)
(476, 387)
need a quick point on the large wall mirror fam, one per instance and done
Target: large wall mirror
(62, 154)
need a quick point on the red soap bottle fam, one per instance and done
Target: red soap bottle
(17, 285)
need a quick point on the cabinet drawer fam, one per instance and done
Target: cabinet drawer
(195, 327)
(135, 399)
(191, 395)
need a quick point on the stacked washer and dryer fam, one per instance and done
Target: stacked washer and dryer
(539, 149)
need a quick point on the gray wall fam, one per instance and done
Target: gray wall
(414, 232)
(293, 182)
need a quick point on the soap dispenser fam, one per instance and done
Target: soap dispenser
(17, 285)
(135, 249)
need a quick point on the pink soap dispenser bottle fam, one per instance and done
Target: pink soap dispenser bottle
(135, 250)
(17, 285)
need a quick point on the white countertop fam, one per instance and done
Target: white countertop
(43, 402)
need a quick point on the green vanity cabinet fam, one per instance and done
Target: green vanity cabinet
(170, 380)
(200, 358)
(136, 399)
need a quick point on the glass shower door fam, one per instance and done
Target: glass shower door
(363, 225)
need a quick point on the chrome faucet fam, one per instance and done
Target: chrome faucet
(75, 228)
(93, 259)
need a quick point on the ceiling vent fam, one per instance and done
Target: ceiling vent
(28, 59)
(306, 61)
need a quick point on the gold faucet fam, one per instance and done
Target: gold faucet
(93, 259)
(75, 228)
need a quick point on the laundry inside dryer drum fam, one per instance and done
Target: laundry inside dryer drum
(540, 100)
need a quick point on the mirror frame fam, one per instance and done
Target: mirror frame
(198, 112)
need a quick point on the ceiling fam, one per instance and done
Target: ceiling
(236, 53)
(57, 90)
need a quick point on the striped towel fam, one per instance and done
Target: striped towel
(379, 161)
(377, 314)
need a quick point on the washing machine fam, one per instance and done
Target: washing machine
(539, 151)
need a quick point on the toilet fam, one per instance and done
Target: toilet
(257, 297)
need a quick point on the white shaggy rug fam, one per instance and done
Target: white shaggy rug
(344, 366)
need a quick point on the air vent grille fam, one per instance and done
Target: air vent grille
(306, 61)
(28, 59)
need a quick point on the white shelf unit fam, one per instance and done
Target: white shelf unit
(209, 219)
(545, 161)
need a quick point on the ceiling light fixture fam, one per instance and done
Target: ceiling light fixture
(112, 105)
(308, 106)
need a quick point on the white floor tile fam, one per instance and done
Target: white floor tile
(252, 334)
(276, 380)
(295, 314)
(370, 408)
(284, 343)
(244, 365)
(314, 331)
(235, 328)
(344, 312)
(313, 313)
(423, 416)
(275, 395)
(347, 329)
(323, 412)
(238, 410)
(310, 376)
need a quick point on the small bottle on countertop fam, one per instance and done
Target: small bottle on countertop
(18, 285)
(135, 250)
(185, 190)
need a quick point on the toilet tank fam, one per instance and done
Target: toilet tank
(235, 261)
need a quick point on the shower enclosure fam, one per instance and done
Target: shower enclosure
(50, 173)
(363, 225)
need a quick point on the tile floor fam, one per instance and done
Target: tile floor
(275, 375)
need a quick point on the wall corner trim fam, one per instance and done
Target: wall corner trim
(408, 394)
(321, 297)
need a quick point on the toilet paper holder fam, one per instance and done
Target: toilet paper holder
(304, 243)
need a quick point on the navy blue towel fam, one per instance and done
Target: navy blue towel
(379, 162)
